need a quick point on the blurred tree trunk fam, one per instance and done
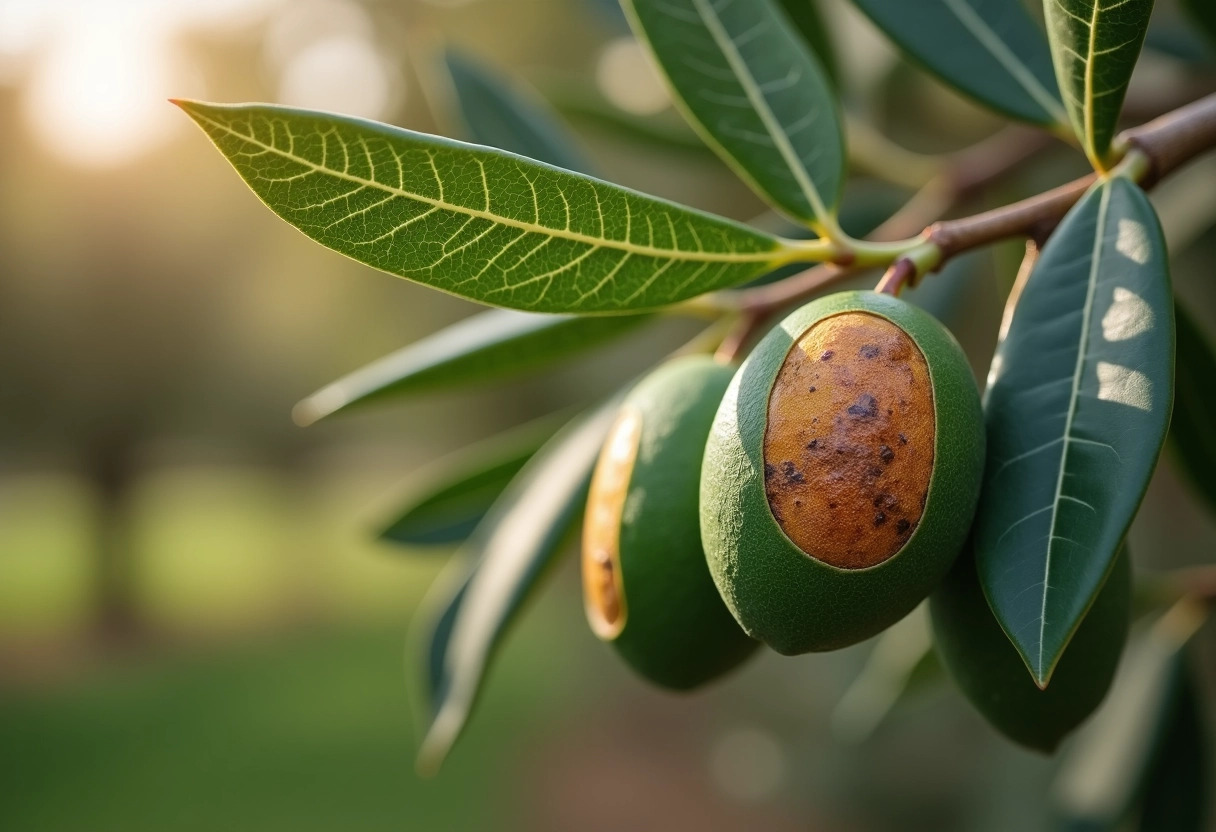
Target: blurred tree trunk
(110, 467)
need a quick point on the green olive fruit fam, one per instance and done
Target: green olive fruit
(842, 472)
(647, 589)
(988, 669)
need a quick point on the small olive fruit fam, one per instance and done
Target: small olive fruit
(842, 472)
(987, 668)
(646, 586)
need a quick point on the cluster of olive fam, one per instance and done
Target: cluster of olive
(808, 500)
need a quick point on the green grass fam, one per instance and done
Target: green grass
(310, 733)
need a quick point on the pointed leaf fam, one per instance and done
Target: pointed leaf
(496, 344)
(1192, 435)
(449, 498)
(1095, 44)
(997, 55)
(752, 88)
(480, 223)
(508, 554)
(1077, 408)
(501, 112)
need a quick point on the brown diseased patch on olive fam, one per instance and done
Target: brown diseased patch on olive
(603, 589)
(861, 483)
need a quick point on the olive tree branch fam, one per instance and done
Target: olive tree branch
(1152, 151)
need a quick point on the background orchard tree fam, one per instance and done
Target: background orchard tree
(1092, 358)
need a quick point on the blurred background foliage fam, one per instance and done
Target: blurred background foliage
(197, 627)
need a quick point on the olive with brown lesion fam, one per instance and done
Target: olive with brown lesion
(871, 383)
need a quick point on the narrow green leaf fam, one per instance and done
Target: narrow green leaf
(1095, 44)
(1203, 12)
(480, 223)
(1133, 739)
(990, 50)
(1193, 427)
(501, 112)
(756, 93)
(449, 498)
(1077, 407)
(507, 556)
(808, 20)
(496, 344)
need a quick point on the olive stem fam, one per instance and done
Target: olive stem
(1151, 151)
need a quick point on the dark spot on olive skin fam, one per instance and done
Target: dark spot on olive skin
(791, 473)
(902, 526)
(812, 389)
(827, 355)
(885, 453)
(875, 471)
(813, 444)
(869, 351)
(770, 471)
(798, 503)
(831, 505)
(879, 519)
(903, 440)
(866, 407)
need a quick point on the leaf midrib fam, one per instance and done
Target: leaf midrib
(1006, 58)
(739, 66)
(782, 252)
(1082, 356)
(1088, 105)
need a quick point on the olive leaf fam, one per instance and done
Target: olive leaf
(495, 344)
(1119, 758)
(480, 223)
(1095, 44)
(505, 559)
(503, 113)
(1077, 407)
(750, 85)
(449, 498)
(1191, 436)
(997, 54)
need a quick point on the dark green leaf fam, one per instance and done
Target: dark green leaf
(1120, 758)
(480, 223)
(507, 556)
(503, 113)
(756, 93)
(1203, 12)
(1193, 428)
(490, 345)
(990, 50)
(1077, 407)
(449, 498)
(808, 20)
(1095, 44)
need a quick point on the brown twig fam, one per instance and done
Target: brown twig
(1165, 144)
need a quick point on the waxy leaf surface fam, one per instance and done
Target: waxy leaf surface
(1095, 45)
(990, 50)
(499, 343)
(505, 559)
(751, 86)
(480, 223)
(1077, 407)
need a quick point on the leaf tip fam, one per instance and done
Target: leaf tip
(438, 741)
(316, 407)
